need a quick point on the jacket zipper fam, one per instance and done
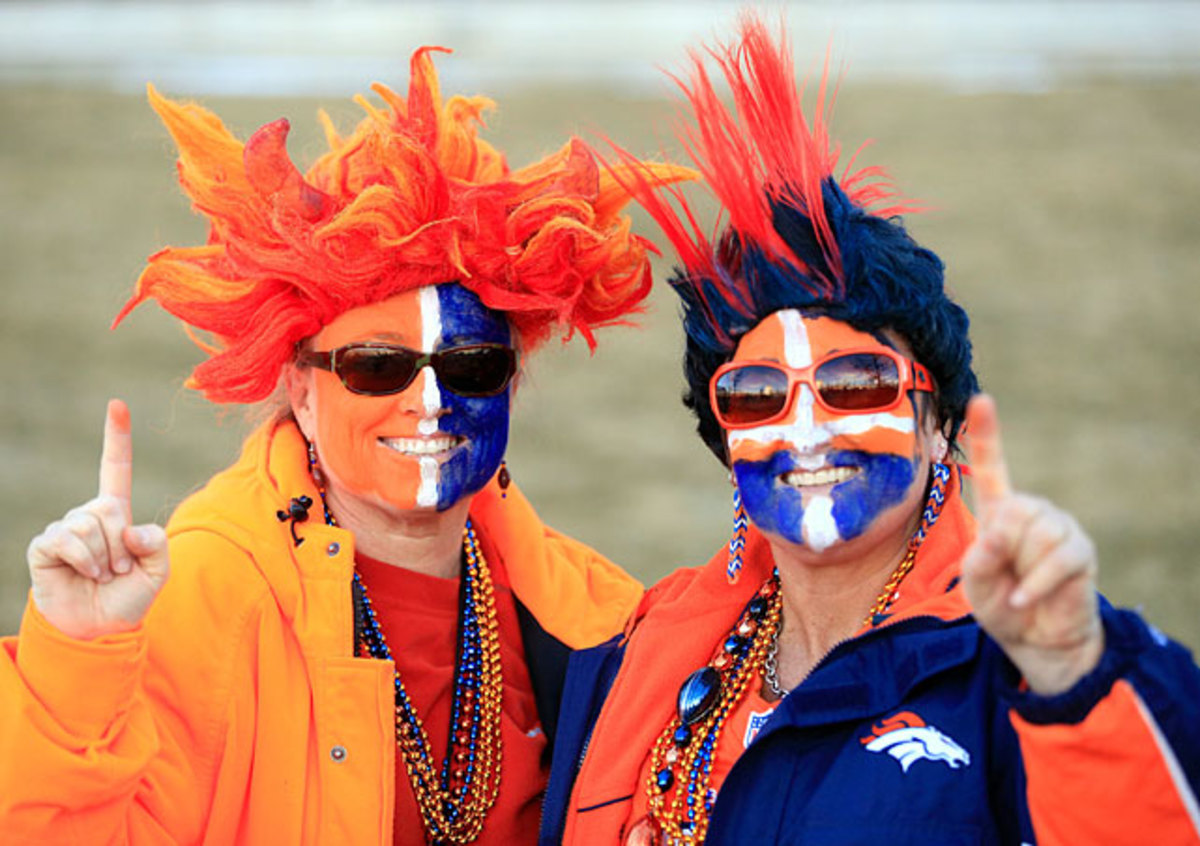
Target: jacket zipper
(922, 619)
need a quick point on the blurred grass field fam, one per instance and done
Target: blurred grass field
(1068, 221)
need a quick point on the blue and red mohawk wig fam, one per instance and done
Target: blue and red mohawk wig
(796, 236)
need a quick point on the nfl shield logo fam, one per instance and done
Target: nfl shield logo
(755, 723)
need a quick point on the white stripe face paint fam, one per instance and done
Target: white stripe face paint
(817, 527)
(807, 439)
(431, 397)
(768, 461)
(797, 352)
(431, 334)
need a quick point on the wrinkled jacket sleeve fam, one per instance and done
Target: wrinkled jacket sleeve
(1116, 759)
(119, 739)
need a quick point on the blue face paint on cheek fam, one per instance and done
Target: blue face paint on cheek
(773, 507)
(481, 421)
(484, 424)
(882, 482)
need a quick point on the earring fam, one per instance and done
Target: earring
(940, 448)
(503, 479)
(313, 466)
(738, 542)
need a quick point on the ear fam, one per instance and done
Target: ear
(934, 430)
(298, 382)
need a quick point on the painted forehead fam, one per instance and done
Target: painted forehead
(465, 319)
(796, 340)
(423, 318)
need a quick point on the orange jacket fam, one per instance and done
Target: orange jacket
(214, 722)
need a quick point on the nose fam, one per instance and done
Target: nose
(806, 421)
(431, 393)
(803, 410)
(422, 398)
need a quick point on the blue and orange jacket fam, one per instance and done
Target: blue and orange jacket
(215, 722)
(916, 731)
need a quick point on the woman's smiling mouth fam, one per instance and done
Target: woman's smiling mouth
(819, 477)
(422, 447)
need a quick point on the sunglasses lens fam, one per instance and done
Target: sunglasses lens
(481, 371)
(376, 370)
(858, 382)
(749, 394)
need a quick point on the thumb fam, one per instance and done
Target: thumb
(148, 543)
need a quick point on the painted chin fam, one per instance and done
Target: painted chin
(440, 447)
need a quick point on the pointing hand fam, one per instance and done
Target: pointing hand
(1030, 575)
(93, 572)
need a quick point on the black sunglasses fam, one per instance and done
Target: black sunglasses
(376, 370)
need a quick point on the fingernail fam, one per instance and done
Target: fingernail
(122, 566)
(1018, 598)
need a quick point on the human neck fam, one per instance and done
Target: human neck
(425, 541)
(825, 597)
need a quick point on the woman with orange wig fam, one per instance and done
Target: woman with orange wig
(363, 636)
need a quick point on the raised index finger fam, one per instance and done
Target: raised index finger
(116, 461)
(985, 452)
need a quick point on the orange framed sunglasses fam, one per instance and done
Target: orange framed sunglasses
(856, 381)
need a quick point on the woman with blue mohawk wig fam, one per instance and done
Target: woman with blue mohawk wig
(867, 662)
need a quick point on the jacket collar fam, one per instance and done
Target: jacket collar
(681, 620)
(577, 595)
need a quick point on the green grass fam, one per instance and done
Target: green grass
(1068, 222)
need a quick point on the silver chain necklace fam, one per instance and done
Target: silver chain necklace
(771, 668)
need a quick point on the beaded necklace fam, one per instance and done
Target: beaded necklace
(706, 699)
(678, 786)
(455, 800)
(939, 478)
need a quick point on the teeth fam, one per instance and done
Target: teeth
(420, 446)
(824, 476)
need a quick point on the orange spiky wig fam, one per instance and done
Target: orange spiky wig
(795, 234)
(412, 197)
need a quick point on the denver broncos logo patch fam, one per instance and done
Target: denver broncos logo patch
(907, 738)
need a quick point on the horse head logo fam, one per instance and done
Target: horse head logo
(907, 738)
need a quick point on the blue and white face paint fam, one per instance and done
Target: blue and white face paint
(818, 478)
(425, 447)
(479, 424)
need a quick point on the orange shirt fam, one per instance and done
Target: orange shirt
(742, 724)
(419, 618)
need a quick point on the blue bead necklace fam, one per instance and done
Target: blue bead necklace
(454, 799)
(681, 804)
